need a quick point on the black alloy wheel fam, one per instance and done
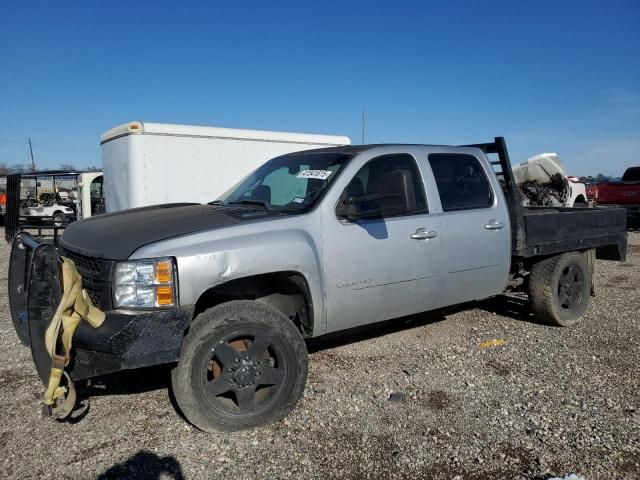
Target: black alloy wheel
(245, 372)
(243, 364)
(559, 289)
(570, 287)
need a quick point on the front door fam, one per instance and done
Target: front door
(383, 267)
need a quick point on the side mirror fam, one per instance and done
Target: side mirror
(347, 207)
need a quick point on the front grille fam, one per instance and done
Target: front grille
(92, 266)
(96, 277)
(94, 295)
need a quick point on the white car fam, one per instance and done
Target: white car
(543, 182)
(59, 215)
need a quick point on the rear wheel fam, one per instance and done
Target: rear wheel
(559, 289)
(242, 364)
(60, 219)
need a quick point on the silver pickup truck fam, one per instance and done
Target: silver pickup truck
(310, 243)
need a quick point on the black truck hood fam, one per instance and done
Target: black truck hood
(115, 236)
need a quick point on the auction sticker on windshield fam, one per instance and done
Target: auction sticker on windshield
(318, 174)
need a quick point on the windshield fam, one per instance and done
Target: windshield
(291, 183)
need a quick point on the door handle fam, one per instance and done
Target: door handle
(422, 234)
(494, 225)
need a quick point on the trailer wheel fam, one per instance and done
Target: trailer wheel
(559, 289)
(242, 364)
(60, 219)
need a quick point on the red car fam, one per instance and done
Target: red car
(625, 193)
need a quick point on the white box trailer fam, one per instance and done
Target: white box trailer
(154, 163)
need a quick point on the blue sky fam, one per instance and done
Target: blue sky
(549, 75)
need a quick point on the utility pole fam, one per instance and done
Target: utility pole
(33, 165)
(363, 119)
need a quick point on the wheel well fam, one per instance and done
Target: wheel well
(287, 292)
(530, 262)
(580, 199)
(521, 268)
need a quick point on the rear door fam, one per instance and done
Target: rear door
(474, 226)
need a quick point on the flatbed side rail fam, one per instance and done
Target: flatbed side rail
(550, 231)
(511, 192)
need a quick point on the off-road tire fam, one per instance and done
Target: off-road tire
(545, 289)
(217, 326)
(60, 219)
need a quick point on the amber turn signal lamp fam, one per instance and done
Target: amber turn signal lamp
(163, 272)
(164, 296)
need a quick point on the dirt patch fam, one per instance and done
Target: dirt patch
(4, 439)
(499, 368)
(13, 378)
(367, 452)
(332, 360)
(93, 450)
(618, 281)
(438, 400)
(514, 463)
(630, 463)
(441, 470)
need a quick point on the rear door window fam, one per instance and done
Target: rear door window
(462, 183)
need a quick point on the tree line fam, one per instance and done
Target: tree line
(594, 178)
(6, 169)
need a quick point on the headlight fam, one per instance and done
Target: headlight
(146, 283)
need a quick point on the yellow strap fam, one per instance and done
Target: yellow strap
(69, 325)
(53, 389)
(75, 305)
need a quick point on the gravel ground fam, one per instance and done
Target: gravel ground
(414, 398)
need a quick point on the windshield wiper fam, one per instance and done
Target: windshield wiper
(216, 203)
(263, 203)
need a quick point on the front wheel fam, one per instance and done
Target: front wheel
(559, 289)
(242, 364)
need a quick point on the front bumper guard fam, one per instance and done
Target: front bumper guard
(126, 339)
